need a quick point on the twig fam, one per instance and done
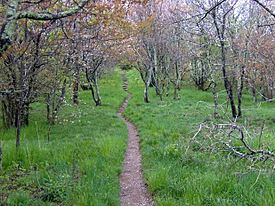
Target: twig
(265, 8)
(192, 139)
(211, 9)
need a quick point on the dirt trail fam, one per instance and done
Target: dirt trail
(133, 191)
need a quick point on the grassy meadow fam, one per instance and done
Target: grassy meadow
(176, 177)
(81, 163)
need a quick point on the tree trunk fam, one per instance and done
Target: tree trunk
(9, 26)
(53, 106)
(155, 77)
(25, 114)
(147, 84)
(240, 91)
(269, 94)
(92, 91)
(48, 106)
(98, 98)
(146, 93)
(215, 95)
(9, 110)
(177, 82)
(59, 102)
(93, 85)
(76, 86)
(227, 84)
(18, 126)
(254, 94)
(221, 35)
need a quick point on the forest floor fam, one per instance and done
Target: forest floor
(83, 162)
(198, 176)
(133, 190)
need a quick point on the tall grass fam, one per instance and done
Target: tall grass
(81, 163)
(197, 177)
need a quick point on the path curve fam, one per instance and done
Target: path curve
(133, 191)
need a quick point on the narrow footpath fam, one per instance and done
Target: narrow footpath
(133, 191)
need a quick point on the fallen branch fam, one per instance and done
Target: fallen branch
(217, 138)
(192, 139)
(242, 139)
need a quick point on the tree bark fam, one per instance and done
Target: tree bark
(155, 73)
(240, 91)
(177, 82)
(76, 86)
(60, 101)
(8, 30)
(227, 84)
(147, 84)
(9, 26)
(18, 126)
(221, 36)
(46, 15)
(9, 107)
(98, 98)
(48, 106)
(215, 95)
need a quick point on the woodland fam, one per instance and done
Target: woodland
(137, 102)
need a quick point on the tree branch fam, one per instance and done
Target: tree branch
(264, 7)
(211, 9)
(222, 1)
(45, 15)
(8, 29)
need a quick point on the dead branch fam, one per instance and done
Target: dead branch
(242, 139)
(193, 138)
(218, 137)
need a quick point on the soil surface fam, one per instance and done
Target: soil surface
(133, 191)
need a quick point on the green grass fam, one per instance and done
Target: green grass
(81, 163)
(197, 177)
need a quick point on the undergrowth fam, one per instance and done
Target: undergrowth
(81, 163)
(197, 177)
